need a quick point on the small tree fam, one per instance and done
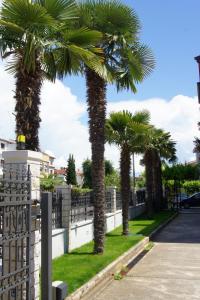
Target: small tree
(71, 171)
(49, 182)
(113, 179)
(87, 171)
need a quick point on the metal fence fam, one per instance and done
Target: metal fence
(15, 234)
(82, 207)
(118, 200)
(140, 197)
(56, 210)
(108, 202)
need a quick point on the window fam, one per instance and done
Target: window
(2, 146)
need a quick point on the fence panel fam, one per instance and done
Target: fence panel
(118, 200)
(82, 207)
(56, 210)
(15, 234)
(140, 197)
(108, 202)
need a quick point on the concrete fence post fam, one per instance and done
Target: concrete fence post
(65, 192)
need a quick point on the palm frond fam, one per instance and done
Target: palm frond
(26, 14)
(61, 10)
(83, 37)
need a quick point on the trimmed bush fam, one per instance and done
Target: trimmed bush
(191, 187)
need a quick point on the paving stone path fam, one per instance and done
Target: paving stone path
(170, 271)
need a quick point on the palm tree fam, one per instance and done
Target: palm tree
(126, 62)
(197, 142)
(158, 144)
(126, 131)
(31, 35)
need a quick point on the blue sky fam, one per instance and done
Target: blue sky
(171, 29)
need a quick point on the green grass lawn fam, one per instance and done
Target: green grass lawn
(79, 266)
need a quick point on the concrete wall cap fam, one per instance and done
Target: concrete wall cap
(21, 155)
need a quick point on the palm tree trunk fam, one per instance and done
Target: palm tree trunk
(148, 160)
(160, 183)
(27, 95)
(157, 181)
(125, 163)
(134, 181)
(96, 99)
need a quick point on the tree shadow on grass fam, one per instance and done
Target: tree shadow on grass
(81, 253)
(113, 234)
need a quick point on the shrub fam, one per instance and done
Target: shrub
(191, 187)
(49, 182)
(76, 191)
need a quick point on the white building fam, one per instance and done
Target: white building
(5, 145)
(47, 165)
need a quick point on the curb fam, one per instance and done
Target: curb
(105, 276)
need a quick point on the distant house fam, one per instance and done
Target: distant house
(79, 177)
(196, 161)
(47, 165)
(62, 172)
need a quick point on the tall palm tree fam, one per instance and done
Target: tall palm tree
(127, 131)
(158, 144)
(126, 62)
(165, 151)
(197, 142)
(31, 35)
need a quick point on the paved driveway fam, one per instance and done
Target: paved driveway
(170, 271)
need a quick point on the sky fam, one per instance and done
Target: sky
(171, 29)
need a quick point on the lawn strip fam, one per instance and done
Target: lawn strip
(79, 266)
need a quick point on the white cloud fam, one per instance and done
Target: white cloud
(62, 131)
(7, 119)
(179, 116)
(61, 128)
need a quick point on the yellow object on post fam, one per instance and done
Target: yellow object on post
(21, 142)
(21, 138)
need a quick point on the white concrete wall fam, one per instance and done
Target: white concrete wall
(136, 211)
(110, 222)
(118, 218)
(80, 234)
(59, 242)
